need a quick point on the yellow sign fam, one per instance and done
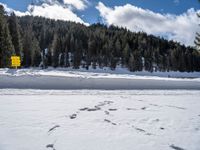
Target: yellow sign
(16, 62)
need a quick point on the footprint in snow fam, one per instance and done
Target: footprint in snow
(108, 102)
(73, 116)
(107, 112)
(54, 127)
(96, 108)
(131, 109)
(106, 120)
(155, 105)
(101, 104)
(161, 128)
(105, 103)
(176, 147)
(84, 109)
(144, 108)
(176, 107)
(112, 109)
(50, 146)
(141, 130)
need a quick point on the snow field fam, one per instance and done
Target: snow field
(96, 120)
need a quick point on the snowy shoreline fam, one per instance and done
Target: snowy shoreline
(105, 80)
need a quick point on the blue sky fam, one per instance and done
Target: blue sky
(91, 13)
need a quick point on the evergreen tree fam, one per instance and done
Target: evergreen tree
(197, 40)
(15, 34)
(118, 48)
(35, 53)
(31, 49)
(55, 49)
(132, 63)
(91, 50)
(77, 54)
(126, 54)
(6, 47)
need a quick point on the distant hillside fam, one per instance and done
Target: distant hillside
(45, 42)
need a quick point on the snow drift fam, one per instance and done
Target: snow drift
(70, 79)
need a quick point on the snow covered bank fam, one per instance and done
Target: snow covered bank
(98, 79)
(99, 120)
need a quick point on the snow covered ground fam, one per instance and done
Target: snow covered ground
(99, 120)
(54, 109)
(96, 79)
(99, 72)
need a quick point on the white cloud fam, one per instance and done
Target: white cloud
(181, 28)
(55, 11)
(78, 4)
(49, 10)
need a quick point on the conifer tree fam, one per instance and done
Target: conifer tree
(126, 54)
(55, 48)
(31, 49)
(15, 34)
(6, 47)
(197, 40)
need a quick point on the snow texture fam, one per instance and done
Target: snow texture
(99, 120)
(96, 79)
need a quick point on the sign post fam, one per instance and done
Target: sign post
(15, 61)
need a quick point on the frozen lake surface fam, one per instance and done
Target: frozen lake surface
(99, 120)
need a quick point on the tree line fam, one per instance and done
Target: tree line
(197, 40)
(45, 42)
